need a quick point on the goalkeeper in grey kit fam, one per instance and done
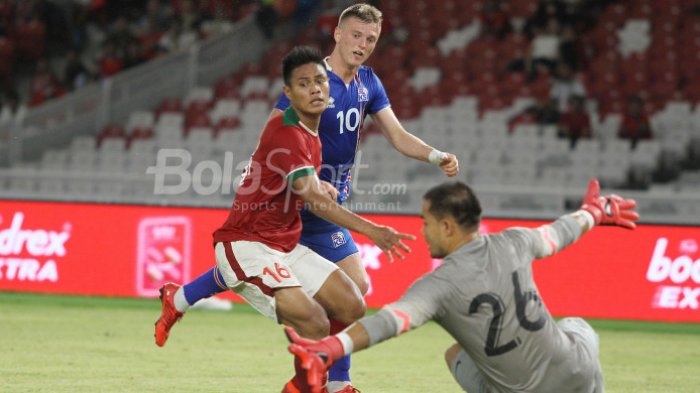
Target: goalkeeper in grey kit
(485, 296)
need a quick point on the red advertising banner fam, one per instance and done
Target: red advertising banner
(652, 273)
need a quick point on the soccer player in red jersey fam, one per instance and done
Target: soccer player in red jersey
(257, 250)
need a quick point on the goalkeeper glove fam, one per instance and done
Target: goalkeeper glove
(611, 209)
(314, 356)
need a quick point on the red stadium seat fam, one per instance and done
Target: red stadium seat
(196, 120)
(522, 8)
(436, 96)
(407, 111)
(641, 11)
(513, 82)
(230, 123)
(429, 58)
(634, 82)
(139, 134)
(197, 115)
(227, 89)
(526, 91)
(169, 105)
(407, 105)
(541, 86)
(615, 14)
(111, 132)
(636, 62)
(513, 43)
(488, 102)
(197, 107)
(247, 70)
(691, 91)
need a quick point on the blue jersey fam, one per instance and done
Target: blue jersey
(339, 129)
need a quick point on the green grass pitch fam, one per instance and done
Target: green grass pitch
(81, 344)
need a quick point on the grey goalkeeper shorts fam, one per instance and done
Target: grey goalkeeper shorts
(471, 379)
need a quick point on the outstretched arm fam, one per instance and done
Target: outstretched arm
(412, 146)
(321, 204)
(595, 210)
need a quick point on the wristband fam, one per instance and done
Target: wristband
(590, 220)
(436, 156)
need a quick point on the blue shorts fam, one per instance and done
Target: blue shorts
(335, 244)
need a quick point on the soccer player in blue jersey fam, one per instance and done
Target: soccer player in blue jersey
(355, 92)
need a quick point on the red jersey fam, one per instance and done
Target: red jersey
(265, 209)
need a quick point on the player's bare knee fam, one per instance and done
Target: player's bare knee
(451, 354)
(361, 280)
(358, 310)
(316, 328)
(312, 324)
(353, 267)
(356, 306)
(362, 283)
(352, 310)
(296, 309)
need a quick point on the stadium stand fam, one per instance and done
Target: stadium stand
(468, 76)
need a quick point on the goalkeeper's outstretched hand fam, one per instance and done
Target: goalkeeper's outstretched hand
(314, 356)
(611, 209)
(313, 364)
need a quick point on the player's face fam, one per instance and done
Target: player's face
(432, 232)
(356, 40)
(309, 89)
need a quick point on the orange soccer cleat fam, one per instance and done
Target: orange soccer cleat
(169, 314)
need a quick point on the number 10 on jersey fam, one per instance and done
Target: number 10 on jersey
(349, 121)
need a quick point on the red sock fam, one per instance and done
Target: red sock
(337, 326)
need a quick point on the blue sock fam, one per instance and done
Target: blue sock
(207, 285)
(340, 371)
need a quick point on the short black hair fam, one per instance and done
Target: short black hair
(455, 199)
(297, 57)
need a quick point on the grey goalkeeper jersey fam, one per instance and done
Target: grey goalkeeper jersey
(484, 295)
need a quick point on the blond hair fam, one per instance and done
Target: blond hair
(362, 11)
